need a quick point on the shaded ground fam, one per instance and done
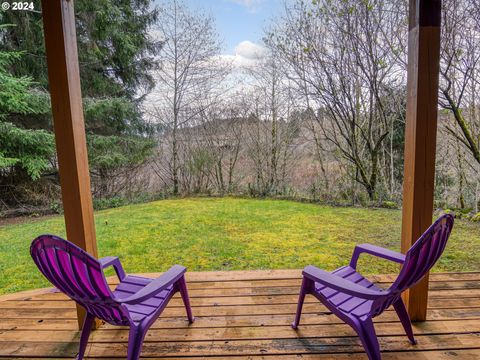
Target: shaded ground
(231, 234)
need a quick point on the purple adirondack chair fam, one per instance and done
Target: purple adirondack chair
(356, 300)
(136, 302)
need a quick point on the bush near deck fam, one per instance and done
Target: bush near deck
(231, 234)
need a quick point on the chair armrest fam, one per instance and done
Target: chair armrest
(336, 282)
(115, 262)
(161, 283)
(376, 251)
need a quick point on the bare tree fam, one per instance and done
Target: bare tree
(213, 147)
(460, 86)
(340, 55)
(460, 63)
(270, 132)
(268, 82)
(224, 136)
(330, 87)
(190, 69)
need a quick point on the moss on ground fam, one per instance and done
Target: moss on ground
(231, 234)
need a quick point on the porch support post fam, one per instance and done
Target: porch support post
(420, 135)
(67, 110)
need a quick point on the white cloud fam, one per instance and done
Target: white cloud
(247, 55)
(249, 50)
(251, 5)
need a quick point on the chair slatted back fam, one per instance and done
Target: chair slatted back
(420, 258)
(79, 275)
(423, 255)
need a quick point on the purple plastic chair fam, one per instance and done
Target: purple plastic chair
(136, 302)
(356, 300)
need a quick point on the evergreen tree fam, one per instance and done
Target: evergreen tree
(116, 56)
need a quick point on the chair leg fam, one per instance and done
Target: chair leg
(186, 299)
(402, 313)
(301, 299)
(368, 337)
(87, 327)
(135, 342)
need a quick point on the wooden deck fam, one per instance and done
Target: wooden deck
(246, 315)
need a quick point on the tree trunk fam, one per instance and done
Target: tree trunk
(175, 160)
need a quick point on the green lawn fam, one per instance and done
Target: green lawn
(231, 234)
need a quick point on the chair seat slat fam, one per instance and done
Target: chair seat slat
(357, 307)
(136, 302)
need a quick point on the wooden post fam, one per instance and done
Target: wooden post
(420, 135)
(67, 110)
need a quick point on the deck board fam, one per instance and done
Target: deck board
(246, 315)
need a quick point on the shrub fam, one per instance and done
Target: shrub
(389, 205)
(106, 203)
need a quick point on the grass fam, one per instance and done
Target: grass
(231, 234)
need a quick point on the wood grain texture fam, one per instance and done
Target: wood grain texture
(420, 135)
(253, 325)
(69, 128)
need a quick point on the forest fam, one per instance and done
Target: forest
(315, 112)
